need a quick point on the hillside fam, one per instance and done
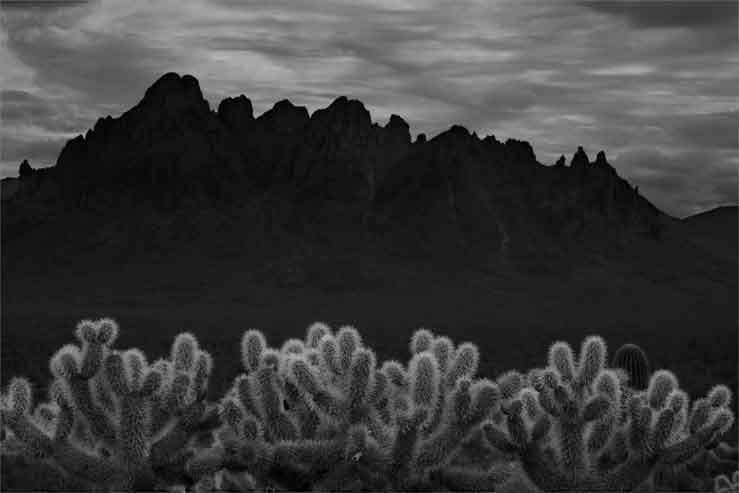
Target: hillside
(714, 230)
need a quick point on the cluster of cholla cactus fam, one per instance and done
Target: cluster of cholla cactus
(112, 420)
(577, 425)
(322, 414)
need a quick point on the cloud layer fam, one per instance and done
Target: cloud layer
(652, 83)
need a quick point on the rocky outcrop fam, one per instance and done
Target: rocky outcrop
(579, 160)
(25, 169)
(237, 114)
(455, 190)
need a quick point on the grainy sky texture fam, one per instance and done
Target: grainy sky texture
(652, 83)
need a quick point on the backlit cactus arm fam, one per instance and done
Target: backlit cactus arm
(17, 404)
(78, 389)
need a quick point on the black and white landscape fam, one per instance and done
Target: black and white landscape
(373, 190)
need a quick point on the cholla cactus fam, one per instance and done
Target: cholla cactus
(320, 414)
(113, 421)
(571, 429)
(698, 473)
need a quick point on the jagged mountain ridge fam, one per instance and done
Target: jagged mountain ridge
(335, 170)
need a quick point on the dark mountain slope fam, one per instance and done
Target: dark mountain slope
(335, 176)
(714, 231)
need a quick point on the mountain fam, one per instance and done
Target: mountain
(322, 176)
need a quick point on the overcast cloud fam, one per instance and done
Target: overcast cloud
(654, 84)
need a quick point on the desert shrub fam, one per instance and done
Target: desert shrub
(576, 425)
(113, 421)
(322, 413)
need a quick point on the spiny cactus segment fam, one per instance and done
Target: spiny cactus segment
(576, 426)
(113, 421)
(333, 419)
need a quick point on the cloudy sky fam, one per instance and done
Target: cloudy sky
(652, 83)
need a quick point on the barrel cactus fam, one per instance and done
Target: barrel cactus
(633, 360)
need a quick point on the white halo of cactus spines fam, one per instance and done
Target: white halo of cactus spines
(86, 331)
(328, 350)
(314, 334)
(65, 362)
(424, 377)
(661, 384)
(719, 396)
(592, 359)
(107, 331)
(19, 398)
(562, 359)
(110, 421)
(102, 332)
(464, 363)
(183, 351)
(421, 340)
(395, 373)
(348, 341)
(253, 343)
(593, 432)
(443, 349)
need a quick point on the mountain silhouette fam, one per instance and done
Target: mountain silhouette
(331, 174)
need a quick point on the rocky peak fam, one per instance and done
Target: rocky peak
(560, 162)
(172, 93)
(25, 169)
(420, 138)
(396, 122)
(600, 159)
(458, 130)
(284, 117)
(521, 150)
(580, 160)
(237, 113)
(343, 115)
